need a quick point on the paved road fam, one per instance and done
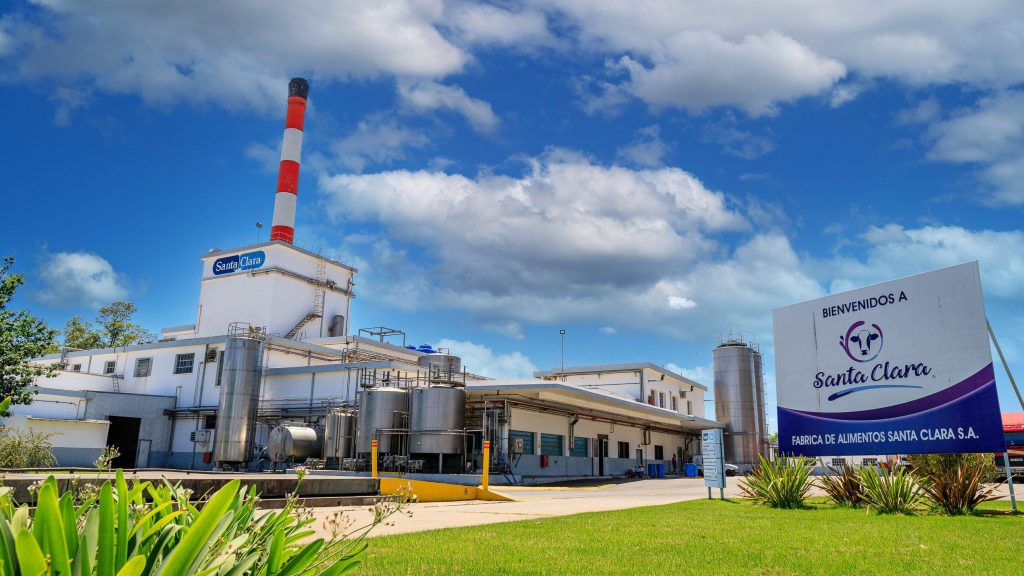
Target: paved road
(540, 502)
(535, 502)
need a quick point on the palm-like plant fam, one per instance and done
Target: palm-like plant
(153, 530)
(891, 491)
(782, 483)
(958, 487)
(843, 485)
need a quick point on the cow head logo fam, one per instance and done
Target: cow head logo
(862, 342)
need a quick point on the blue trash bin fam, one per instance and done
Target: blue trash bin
(661, 470)
(652, 470)
(691, 470)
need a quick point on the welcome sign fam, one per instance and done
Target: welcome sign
(902, 367)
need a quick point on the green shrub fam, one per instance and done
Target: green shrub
(25, 449)
(891, 492)
(843, 485)
(783, 483)
(120, 532)
(955, 482)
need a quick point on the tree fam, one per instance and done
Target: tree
(117, 328)
(112, 327)
(79, 333)
(22, 337)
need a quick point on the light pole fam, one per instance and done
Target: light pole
(562, 334)
(259, 232)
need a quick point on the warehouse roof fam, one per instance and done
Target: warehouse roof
(624, 367)
(588, 399)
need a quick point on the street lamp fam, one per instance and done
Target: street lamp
(562, 334)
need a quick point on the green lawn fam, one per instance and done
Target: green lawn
(711, 538)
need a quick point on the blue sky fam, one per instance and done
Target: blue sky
(646, 175)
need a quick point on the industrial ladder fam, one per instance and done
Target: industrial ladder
(318, 298)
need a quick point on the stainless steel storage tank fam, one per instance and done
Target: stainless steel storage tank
(382, 409)
(442, 368)
(739, 402)
(340, 435)
(295, 442)
(437, 418)
(239, 399)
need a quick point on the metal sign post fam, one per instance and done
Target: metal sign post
(713, 461)
(1006, 455)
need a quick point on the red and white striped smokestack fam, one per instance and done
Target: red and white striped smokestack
(283, 228)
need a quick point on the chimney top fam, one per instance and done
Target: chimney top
(298, 87)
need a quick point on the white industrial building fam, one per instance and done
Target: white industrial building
(271, 346)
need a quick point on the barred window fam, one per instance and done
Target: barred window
(838, 462)
(183, 363)
(143, 367)
(551, 444)
(579, 447)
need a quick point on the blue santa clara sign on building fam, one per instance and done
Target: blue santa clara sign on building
(247, 261)
(902, 367)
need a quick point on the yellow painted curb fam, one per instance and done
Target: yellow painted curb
(437, 491)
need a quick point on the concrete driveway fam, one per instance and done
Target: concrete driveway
(534, 502)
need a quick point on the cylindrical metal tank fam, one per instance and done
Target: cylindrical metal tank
(382, 409)
(340, 435)
(437, 418)
(444, 368)
(239, 398)
(739, 402)
(295, 442)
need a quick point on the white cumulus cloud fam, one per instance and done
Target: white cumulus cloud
(427, 96)
(72, 279)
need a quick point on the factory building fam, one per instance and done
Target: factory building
(270, 373)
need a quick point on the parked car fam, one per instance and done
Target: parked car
(730, 469)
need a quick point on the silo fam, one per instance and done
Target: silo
(739, 401)
(442, 368)
(339, 436)
(382, 409)
(239, 399)
(437, 418)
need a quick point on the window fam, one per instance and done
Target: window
(675, 404)
(76, 367)
(623, 449)
(579, 447)
(551, 444)
(210, 422)
(183, 363)
(108, 367)
(220, 368)
(659, 452)
(870, 461)
(682, 394)
(661, 399)
(143, 367)
(689, 406)
(838, 462)
(525, 437)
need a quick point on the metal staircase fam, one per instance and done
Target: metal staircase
(318, 299)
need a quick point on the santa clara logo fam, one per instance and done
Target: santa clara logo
(862, 342)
